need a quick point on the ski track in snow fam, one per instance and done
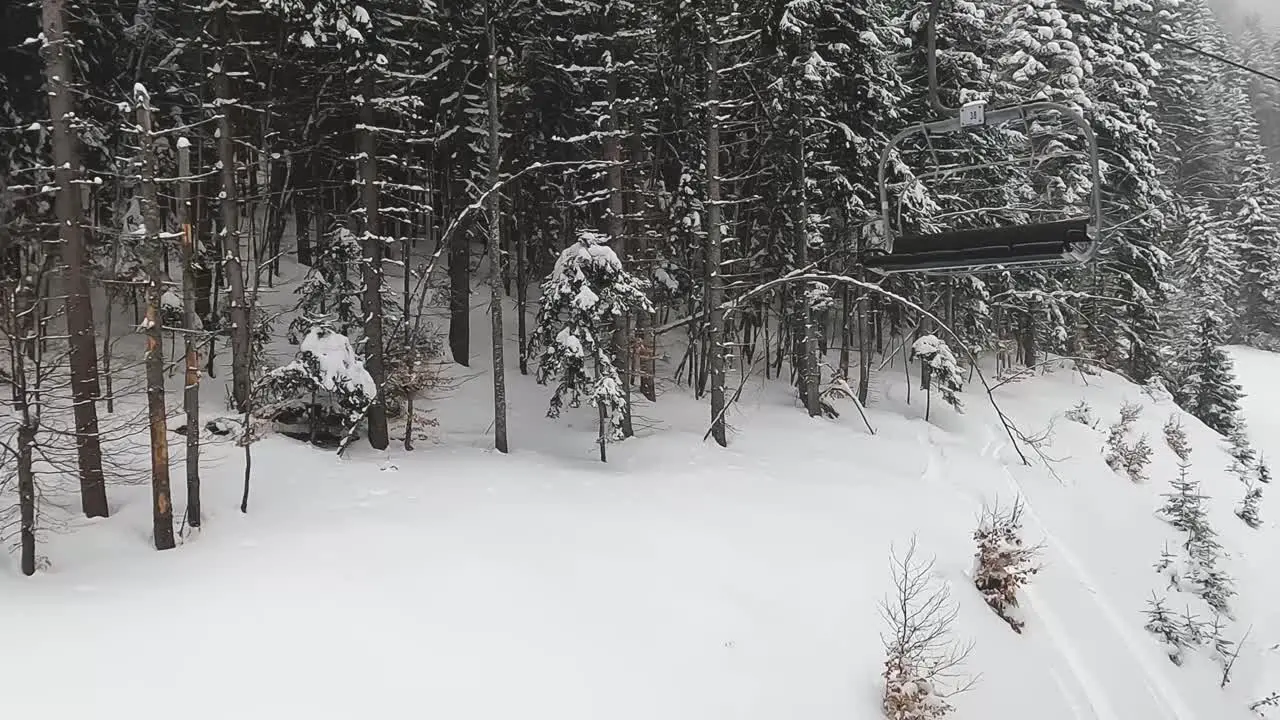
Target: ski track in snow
(1165, 699)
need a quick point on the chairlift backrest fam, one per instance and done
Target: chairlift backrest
(1065, 241)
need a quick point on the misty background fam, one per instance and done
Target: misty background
(1236, 12)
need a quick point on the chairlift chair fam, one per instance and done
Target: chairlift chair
(1062, 242)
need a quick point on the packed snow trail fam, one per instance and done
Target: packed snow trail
(1088, 610)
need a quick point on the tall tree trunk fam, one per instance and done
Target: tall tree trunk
(191, 389)
(522, 297)
(231, 232)
(83, 353)
(373, 247)
(459, 289)
(162, 503)
(648, 358)
(495, 244)
(805, 341)
(622, 326)
(22, 306)
(715, 282)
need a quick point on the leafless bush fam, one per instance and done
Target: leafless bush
(1003, 562)
(923, 664)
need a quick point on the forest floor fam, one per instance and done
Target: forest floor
(679, 581)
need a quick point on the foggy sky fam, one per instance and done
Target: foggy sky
(1236, 10)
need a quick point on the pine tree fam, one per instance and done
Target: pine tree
(1248, 508)
(1184, 507)
(1207, 388)
(582, 297)
(1164, 625)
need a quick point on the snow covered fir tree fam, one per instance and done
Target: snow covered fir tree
(344, 301)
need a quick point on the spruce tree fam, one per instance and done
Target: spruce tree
(586, 292)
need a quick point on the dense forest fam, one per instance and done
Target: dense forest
(711, 164)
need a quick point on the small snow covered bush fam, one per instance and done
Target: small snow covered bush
(1169, 629)
(326, 388)
(923, 661)
(1082, 413)
(938, 367)
(1133, 459)
(1003, 562)
(1247, 510)
(1175, 436)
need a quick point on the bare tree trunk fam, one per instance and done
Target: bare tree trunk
(373, 246)
(495, 244)
(83, 351)
(231, 233)
(648, 348)
(106, 355)
(191, 389)
(806, 342)
(22, 309)
(846, 329)
(622, 327)
(715, 282)
(162, 504)
(459, 292)
(522, 298)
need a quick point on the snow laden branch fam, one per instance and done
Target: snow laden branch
(740, 303)
(480, 203)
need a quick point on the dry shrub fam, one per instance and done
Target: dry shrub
(1003, 563)
(922, 669)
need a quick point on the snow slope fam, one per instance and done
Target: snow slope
(680, 581)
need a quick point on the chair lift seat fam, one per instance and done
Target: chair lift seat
(1011, 245)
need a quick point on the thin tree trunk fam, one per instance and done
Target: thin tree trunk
(22, 308)
(162, 504)
(459, 292)
(644, 319)
(191, 389)
(622, 326)
(407, 292)
(522, 298)
(846, 329)
(373, 245)
(231, 234)
(79, 308)
(27, 494)
(106, 355)
(806, 342)
(495, 245)
(715, 282)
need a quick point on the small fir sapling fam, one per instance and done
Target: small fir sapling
(1121, 456)
(1244, 459)
(1082, 413)
(1175, 436)
(1184, 506)
(938, 367)
(1003, 562)
(1167, 628)
(1247, 510)
(331, 292)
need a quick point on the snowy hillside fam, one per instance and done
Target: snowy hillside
(680, 580)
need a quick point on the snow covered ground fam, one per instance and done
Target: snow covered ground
(680, 581)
